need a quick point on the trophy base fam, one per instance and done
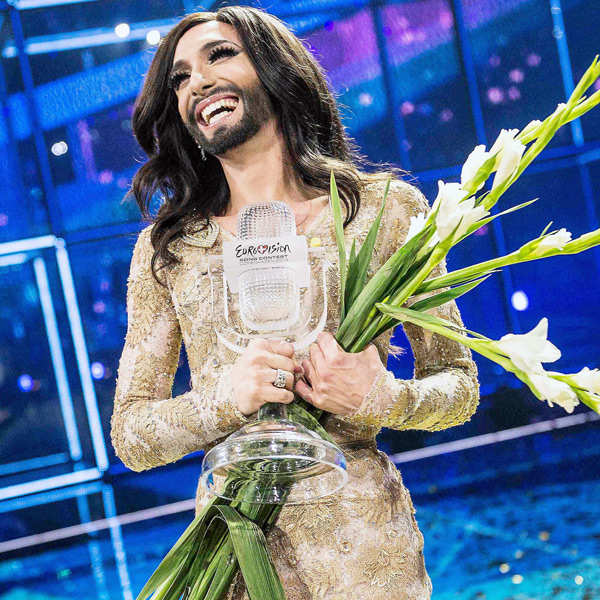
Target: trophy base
(274, 461)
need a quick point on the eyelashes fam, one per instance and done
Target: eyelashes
(177, 78)
(220, 51)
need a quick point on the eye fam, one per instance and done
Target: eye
(221, 51)
(176, 79)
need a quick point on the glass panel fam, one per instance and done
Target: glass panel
(56, 20)
(560, 288)
(582, 19)
(102, 151)
(431, 89)
(31, 422)
(517, 64)
(347, 51)
(23, 213)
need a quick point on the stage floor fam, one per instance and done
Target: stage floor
(517, 520)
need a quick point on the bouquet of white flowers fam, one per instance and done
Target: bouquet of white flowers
(228, 535)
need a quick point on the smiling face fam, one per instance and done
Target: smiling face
(220, 99)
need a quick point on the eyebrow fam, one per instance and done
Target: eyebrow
(181, 62)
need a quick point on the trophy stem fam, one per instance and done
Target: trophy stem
(272, 410)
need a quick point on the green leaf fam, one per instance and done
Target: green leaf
(377, 288)
(299, 415)
(250, 545)
(357, 273)
(178, 553)
(447, 296)
(487, 220)
(423, 319)
(339, 237)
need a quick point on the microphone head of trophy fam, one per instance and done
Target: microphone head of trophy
(269, 296)
(268, 283)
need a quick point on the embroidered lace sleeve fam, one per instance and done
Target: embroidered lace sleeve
(148, 426)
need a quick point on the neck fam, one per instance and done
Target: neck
(259, 171)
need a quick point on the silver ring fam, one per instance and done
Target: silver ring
(280, 378)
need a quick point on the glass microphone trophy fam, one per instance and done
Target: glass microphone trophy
(268, 284)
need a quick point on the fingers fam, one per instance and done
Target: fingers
(281, 347)
(328, 344)
(271, 374)
(273, 394)
(272, 353)
(310, 373)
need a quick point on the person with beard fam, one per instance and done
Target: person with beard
(235, 110)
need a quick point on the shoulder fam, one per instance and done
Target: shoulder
(403, 197)
(142, 253)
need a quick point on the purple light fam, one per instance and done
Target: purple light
(122, 182)
(446, 19)
(514, 93)
(329, 25)
(99, 307)
(105, 285)
(98, 370)
(3, 220)
(482, 230)
(106, 177)
(494, 60)
(25, 383)
(365, 99)
(495, 95)
(387, 31)
(533, 59)
(446, 115)
(407, 38)
(407, 108)
(516, 75)
(597, 85)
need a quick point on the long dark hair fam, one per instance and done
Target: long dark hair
(191, 190)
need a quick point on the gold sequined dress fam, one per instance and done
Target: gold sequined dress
(363, 543)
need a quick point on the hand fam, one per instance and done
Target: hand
(254, 372)
(338, 381)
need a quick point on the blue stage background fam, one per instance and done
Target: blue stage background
(421, 83)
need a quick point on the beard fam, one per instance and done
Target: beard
(256, 111)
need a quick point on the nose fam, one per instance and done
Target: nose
(199, 83)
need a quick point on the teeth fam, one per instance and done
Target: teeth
(218, 117)
(228, 102)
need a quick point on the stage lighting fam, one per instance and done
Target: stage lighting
(98, 370)
(153, 37)
(25, 383)
(519, 300)
(122, 30)
(59, 148)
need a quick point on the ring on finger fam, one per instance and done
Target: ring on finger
(280, 378)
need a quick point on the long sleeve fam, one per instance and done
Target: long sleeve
(148, 426)
(444, 391)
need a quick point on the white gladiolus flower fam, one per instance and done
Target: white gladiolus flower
(416, 226)
(554, 241)
(529, 350)
(510, 153)
(505, 136)
(473, 163)
(454, 210)
(588, 379)
(555, 391)
(530, 127)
